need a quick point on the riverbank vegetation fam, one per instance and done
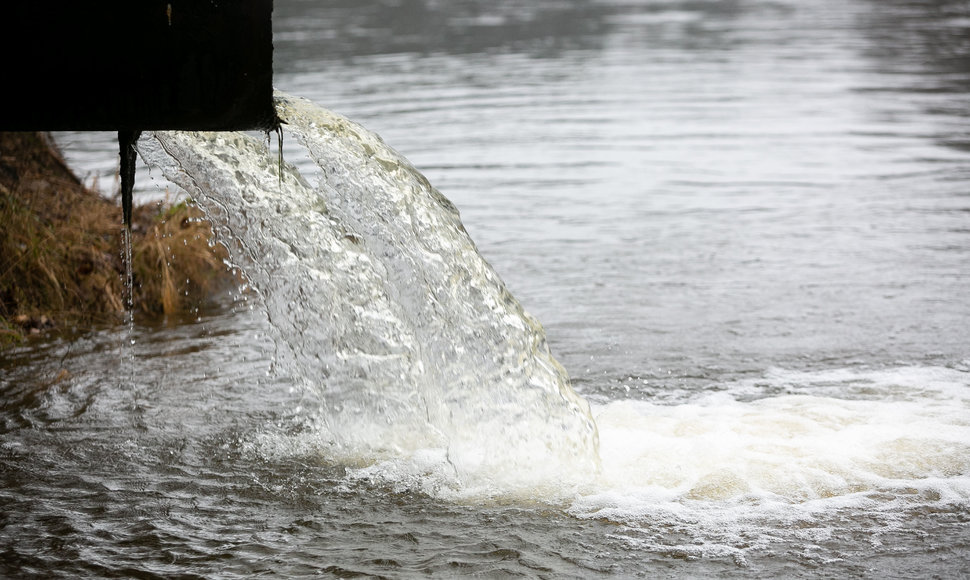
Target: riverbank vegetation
(61, 243)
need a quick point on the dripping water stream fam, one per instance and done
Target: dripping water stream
(127, 154)
(128, 288)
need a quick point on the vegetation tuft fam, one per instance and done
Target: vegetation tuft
(61, 248)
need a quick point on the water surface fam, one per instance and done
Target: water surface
(744, 227)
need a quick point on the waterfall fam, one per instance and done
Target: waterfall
(383, 305)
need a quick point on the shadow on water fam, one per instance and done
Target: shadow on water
(347, 29)
(307, 32)
(929, 36)
(920, 49)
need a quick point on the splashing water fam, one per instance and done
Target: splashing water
(791, 458)
(435, 378)
(386, 306)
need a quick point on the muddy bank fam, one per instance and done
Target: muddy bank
(61, 261)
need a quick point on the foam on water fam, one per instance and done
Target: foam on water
(432, 377)
(912, 432)
(802, 459)
(838, 451)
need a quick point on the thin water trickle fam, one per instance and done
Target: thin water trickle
(128, 298)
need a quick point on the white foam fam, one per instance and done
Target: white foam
(723, 462)
(909, 438)
(433, 378)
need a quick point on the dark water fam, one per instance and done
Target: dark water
(745, 226)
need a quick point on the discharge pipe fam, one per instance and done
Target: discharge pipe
(136, 65)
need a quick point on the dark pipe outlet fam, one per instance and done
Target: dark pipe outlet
(134, 65)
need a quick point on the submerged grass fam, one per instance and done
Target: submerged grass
(61, 248)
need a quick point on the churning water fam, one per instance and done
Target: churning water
(432, 378)
(388, 310)
(743, 226)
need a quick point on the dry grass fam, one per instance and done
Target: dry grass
(175, 265)
(61, 248)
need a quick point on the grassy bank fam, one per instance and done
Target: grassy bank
(61, 248)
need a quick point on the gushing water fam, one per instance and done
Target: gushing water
(434, 377)
(385, 305)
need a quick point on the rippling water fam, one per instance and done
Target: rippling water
(745, 226)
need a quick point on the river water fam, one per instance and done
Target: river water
(744, 225)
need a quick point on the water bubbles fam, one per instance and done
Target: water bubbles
(382, 302)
